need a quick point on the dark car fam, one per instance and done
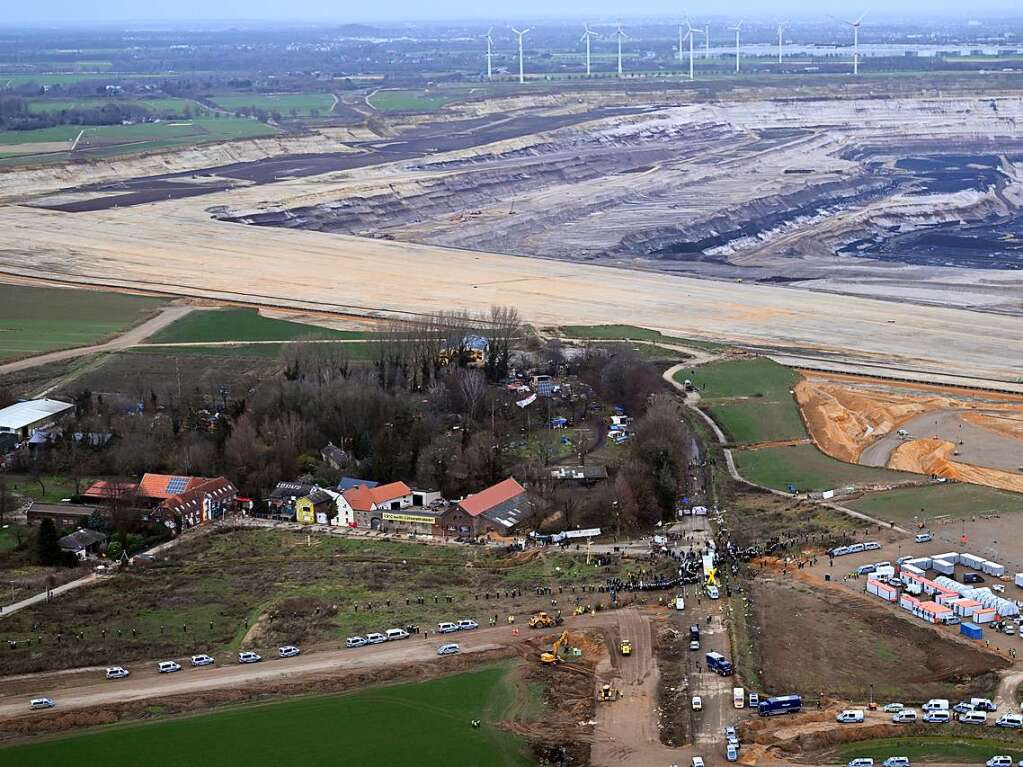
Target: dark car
(972, 578)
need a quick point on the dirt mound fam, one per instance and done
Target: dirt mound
(934, 457)
(858, 642)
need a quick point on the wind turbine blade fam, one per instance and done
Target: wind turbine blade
(861, 17)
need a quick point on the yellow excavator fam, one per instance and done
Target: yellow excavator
(554, 656)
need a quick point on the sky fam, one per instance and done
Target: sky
(118, 11)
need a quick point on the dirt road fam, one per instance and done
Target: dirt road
(125, 340)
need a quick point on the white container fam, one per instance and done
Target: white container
(951, 556)
(908, 568)
(924, 563)
(1019, 580)
(943, 566)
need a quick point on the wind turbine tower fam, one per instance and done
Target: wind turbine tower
(693, 31)
(856, 42)
(736, 29)
(621, 36)
(781, 39)
(706, 41)
(680, 39)
(521, 34)
(490, 54)
(587, 34)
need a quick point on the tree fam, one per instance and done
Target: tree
(47, 547)
(5, 501)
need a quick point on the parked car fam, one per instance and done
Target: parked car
(893, 708)
(983, 704)
(856, 548)
(731, 753)
(850, 716)
(697, 703)
(288, 651)
(396, 634)
(712, 592)
(998, 588)
(697, 761)
(448, 649)
(861, 762)
(937, 717)
(999, 761)
(936, 704)
(754, 700)
(168, 667)
(973, 717)
(923, 537)
(202, 660)
(896, 761)
(1009, 629)
(447, 627)
(467, 625)
(865, 569)
(973, 578)
(249, 657)
(38, 703)
(356, 642)
(906, 716)
(694, 644)
(731, 733)
(1010, 721)
(871, 546)
(963, 708)
(117, 672)
(375, 638)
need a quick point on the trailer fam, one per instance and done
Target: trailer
(1019, 580)
(719, 664)
(993, 568)
(971, 631)
(882, 590)
(985, 615)
(943, 566)
(784, 704)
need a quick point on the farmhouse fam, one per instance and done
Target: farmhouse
(203, 502)
(368, 504)
(317, 507)
(498, 509)
(22, 417)
(285, 495)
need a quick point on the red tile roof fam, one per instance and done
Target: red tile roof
(493, 496)
(160, 485)
(362, 498)
(220, 489)
(106, 490)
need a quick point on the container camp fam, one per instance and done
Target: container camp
(924, 563)
(951, 585)
(951, 556)
(965, 608)
(886, 571)
(933, 613)
(908, 568)
(1019, 580)
(993, 568)
(907, 602)
(984, 615)
(971, 630)
(883, 590)
(947, 598)
(1007, 608)
(971, 561)
(943, 566)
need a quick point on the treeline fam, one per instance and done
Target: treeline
(16, 115)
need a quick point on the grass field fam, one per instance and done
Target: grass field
(954, 500)
(808, 469)
(758, 420)
(757, 377)
(302, 103)
(630, 333)
(410, 101)
(356, 352)
(156, 106)
(53, 490)
(243, 325)
(35, 319)
(943, 749)
(424, 724)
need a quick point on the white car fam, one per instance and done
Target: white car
(697, 762)
(467, 625)
(893, 708)
(937, 717)
(905, 716)
(117, 672)
(202, 660)
(861, 762)
(447, 627)
(754, 700)
(38, 703)
(973, 717)
(850, 716)
(896, 761)
(999, 761)
(288, 651)
(168, 667)
(1010, 721)
(375, 638)
(393, 634)
(448, 649)
(697, 703)
(249, 657)
(694, 644)
(713, 593)
(356, 642)
(998, 588)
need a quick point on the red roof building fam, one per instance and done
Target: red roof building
(498, 508)
(365, 505)
(205, 501)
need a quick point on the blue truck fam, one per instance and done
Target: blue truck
(784, 704)
(719, 664)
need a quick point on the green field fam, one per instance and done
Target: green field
(942, 749)
(356, 352)
(954, 500)
(410, 101)
(243, 325)
(808, 469)
(426, 724)
(35, 320)
(156, 106)
(629, 333)
(302, 103)
(758, 420)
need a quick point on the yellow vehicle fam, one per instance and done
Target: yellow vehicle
(608, 694)
(626, 647)
(554, 656)
(544, 620)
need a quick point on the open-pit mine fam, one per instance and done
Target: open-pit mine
(778, 204)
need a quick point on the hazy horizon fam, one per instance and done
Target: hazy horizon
(106, 12)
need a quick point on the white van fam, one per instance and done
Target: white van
(937, 717)
(905, 716)
(738, 697)
(712, 592)
(396, 634)
(936, 704)
(850, 716)
(923, 537)
(856, 548)
(446, 627)
(861, 762)
(168, 666)
(871, 546)
(973, 717)
(896, 761)
(983, 704)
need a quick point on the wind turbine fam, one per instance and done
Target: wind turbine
(736, 29)
(693, 31)
(521, 34)
(680, 39)
(587, 34)
(621, 36)
(490, 54)
(781, 40)
(706, 41)
(856, 42)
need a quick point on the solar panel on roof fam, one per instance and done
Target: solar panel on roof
(177, 485)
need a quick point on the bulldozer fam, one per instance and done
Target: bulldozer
(544, 620)
(625, 647)
(608, 694)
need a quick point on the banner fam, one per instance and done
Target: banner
(414, 519)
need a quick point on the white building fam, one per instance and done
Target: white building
(24, 417)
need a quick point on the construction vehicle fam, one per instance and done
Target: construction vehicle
(625, 647)
(544, 620)
(554, 656)
(608, 694)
